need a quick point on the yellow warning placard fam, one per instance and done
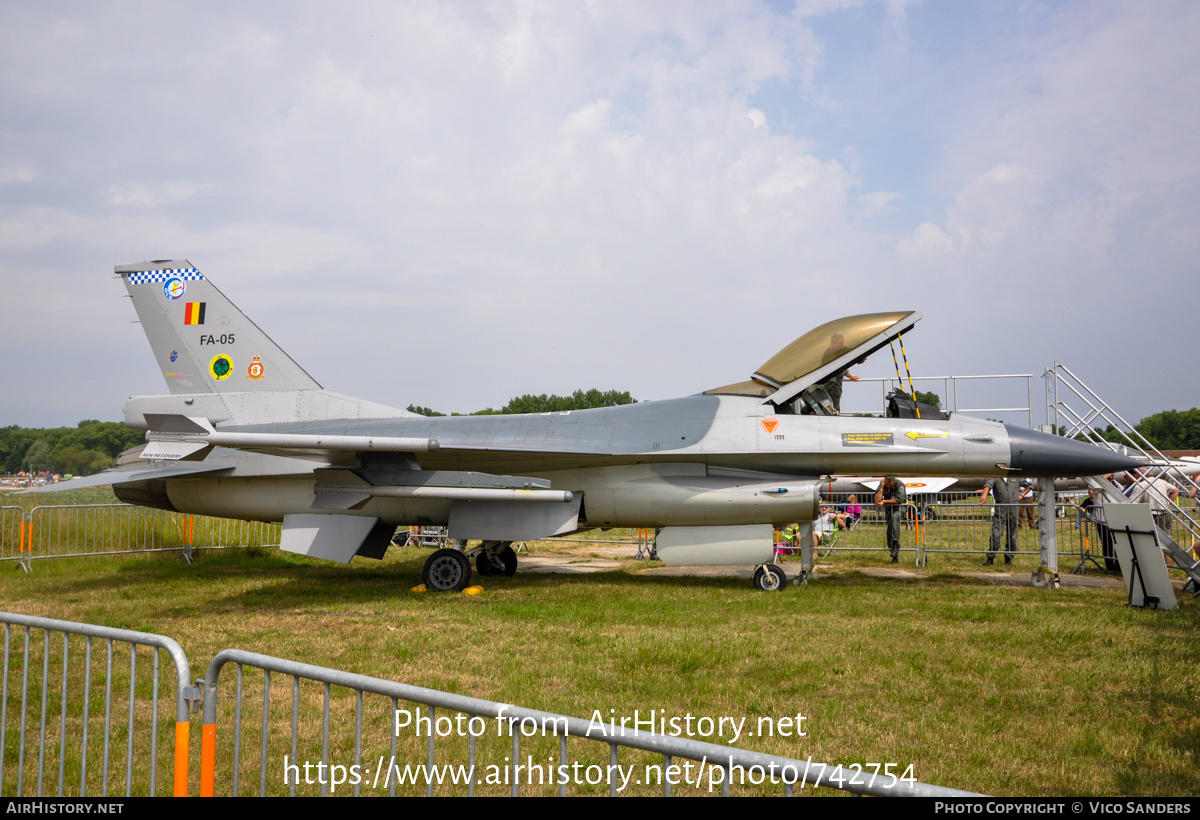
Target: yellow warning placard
(916, 434)
(866, 439)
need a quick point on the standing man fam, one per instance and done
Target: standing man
(833, 386)
(1094, 504)
(1026, 511)
(1006, 494)
(1159, 493)
(892, 497)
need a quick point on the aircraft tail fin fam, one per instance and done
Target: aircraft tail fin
(201, 341)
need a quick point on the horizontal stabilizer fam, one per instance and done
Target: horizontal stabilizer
(112, 477)
(335, 537)
(180, 436)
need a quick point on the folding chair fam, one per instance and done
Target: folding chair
(829, 540)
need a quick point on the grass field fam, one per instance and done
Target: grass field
(1000, 689)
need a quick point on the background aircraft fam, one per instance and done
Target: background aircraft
(246, 433)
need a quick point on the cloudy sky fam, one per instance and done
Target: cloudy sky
(452, 204)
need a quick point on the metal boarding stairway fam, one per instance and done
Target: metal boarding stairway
(1182, 558)
(1064, 387)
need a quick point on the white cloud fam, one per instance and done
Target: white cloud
(472, 182)
(587, 121)
(15, 173)
(876, 201)
(927, 239)
(991, 208)
(139, 195)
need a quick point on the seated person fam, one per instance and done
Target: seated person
(827, 521)
(853, 511)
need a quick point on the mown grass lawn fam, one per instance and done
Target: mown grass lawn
(1000, 689)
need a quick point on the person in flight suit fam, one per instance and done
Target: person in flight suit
(1005, 493)
(892, 497)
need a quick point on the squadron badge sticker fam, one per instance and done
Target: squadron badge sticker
(221, 367)
(174, 288)
(255, 370)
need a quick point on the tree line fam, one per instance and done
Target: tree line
(529, 403)
(1168, 430)
(87, 448)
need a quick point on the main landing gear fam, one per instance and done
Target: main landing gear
(449, 570)
(497, 560)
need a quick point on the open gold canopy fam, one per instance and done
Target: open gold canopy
(821, 351)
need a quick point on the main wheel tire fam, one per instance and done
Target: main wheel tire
(508, 557)
(488, 565)
(769, 578)
(446, 571)
(499, 561)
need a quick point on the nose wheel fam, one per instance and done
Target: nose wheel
(769, 578)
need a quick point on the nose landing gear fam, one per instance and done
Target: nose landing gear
(769, 578)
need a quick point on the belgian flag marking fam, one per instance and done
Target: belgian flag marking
(193, 313)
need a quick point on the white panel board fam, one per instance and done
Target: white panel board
(715, 546)
(172, 450)
(1151, 564)
(914, 486)
(512, 520)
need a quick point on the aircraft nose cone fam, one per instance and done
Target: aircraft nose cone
(1045, 456)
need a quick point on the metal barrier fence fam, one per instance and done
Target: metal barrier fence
(968, 528)
(721, 764)
(12, 533)
(77, 530)
(208, 533)
(81, 726)
(962, 526)
(62, 531)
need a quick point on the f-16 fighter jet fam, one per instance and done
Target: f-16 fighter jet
(246, 433)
